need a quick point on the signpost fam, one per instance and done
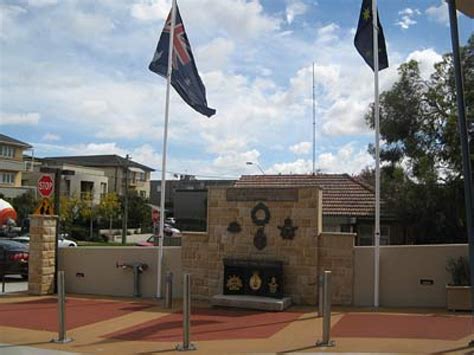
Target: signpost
(45, 185)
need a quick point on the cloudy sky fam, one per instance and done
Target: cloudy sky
(74, 79)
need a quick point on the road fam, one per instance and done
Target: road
(13, 283)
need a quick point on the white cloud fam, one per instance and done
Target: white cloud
(216, 53)
(407, 17)
(439, 13)
(328, 33)
(90, 24)
(31, 118)
(346, 159)
(51, 137)
(150, 10)
(236, 161)
(238, 19)
(42, 3)
(427, 59)
(299, 166)
(294, 8)
(8, 15)
(301, 148)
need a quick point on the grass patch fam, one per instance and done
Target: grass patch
(104, 244)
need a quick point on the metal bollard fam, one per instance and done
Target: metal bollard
(186, 346)
(169, 290)
(326, 341)
(62, 339)
(321, 296)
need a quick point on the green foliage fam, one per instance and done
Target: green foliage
(24, 205)
(109, 206)
(421, 178)
(139, 211)
(459, 270)
(70, 207)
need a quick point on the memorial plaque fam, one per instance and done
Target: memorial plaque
(252, 277)
(262, 194)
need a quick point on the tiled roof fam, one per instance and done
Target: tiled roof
(99, 160)
(13, 141)
(343, 195)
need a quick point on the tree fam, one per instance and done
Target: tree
(70, 209)
(418, 119)
(24, 205)
(139, 211)
(109, 208)
(421, 177)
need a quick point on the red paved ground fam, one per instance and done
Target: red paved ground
(211, 324)
(42, 314)
(402, 326)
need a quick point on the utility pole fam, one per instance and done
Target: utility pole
(91, 223)
(125, 205)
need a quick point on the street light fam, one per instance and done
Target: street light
(258, 166)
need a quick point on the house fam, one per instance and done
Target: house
(12, 166)
(348, 204)
(76, 180)
(119, 171)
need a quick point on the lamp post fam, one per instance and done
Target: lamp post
(256, 164)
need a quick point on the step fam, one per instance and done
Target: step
(252, 302)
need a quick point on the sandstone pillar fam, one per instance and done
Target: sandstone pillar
(42, 254)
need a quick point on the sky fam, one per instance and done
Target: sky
(74, 80)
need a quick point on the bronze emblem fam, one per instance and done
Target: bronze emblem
(266, 214)
(273, 285)
(234, 227)
(255, 281)
(287, 229)
(234, 283)
(260, 239)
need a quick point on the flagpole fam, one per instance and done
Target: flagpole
(314, 129)
(377, 155)
(163, 158)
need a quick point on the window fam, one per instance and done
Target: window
(7, 151)
(7, 178)
(365, 234)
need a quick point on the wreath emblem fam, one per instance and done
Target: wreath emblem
(254, 214)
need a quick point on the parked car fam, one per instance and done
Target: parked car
(63, 242)
(167, 242)
(150, 242)
(13, 258)
(171, 221)
(170, 232)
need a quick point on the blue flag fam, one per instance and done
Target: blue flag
(363, 40)
(185, 77)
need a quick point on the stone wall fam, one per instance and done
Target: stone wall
(41, 261)
(203, 253)
(336, 253)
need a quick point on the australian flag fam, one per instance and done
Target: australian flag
(185, 77)
(363, 40)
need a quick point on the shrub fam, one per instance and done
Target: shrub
(459, 270)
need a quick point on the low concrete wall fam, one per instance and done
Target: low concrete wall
(402, 269)
(93, 270)
(336, 253)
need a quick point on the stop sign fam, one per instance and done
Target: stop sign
(45, 185)
(155, 215)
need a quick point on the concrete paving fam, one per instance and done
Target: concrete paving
(127, 328)
(13, 283)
